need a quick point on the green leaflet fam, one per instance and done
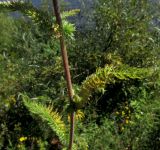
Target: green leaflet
(36, 15)
(70, 13)
(39, 17)
(110, 74)
(46, 113)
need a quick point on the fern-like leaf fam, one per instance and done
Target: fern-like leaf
(43, 19)
(98, 81)
(36, 15)
(70, 13)
(46, 113)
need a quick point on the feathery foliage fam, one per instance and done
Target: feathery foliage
(123, 112)
(43, 19)
(37, 15)
(70, 13)
(98, 81)
(53, 119)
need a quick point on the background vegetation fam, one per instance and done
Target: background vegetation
(114, 62)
